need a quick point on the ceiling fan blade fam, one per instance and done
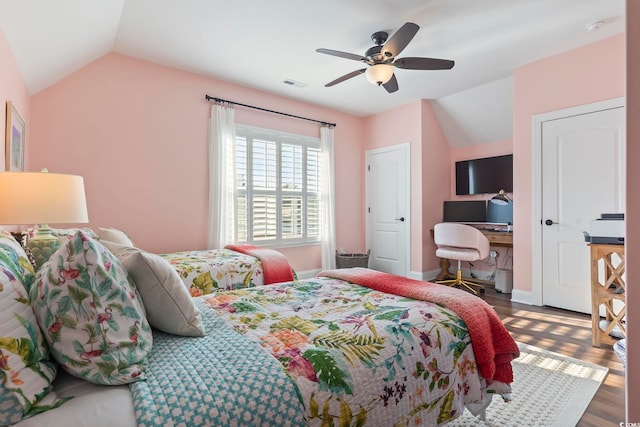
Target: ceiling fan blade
(400, 39)
(341, 54)
(345, 77)
(414, 63)
(392, 85)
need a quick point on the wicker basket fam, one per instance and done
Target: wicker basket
(352, 260)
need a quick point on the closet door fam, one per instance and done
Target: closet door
(583, 176)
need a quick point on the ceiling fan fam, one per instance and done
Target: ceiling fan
(381, 58)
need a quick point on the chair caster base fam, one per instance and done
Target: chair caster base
(461, 284)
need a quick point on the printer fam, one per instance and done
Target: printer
(608, 229)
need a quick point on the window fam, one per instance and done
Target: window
(278, 187)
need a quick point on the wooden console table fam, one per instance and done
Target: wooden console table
(496, 238)
(603, 293)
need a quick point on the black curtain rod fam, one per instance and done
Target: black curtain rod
(211, 98)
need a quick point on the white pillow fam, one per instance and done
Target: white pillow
(114, 235)
(167, 301)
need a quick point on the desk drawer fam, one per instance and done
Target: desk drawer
(499, 238)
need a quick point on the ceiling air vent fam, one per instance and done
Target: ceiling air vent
(293, 83)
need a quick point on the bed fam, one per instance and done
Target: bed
(234, 267)
(204, 271)
(350, 347)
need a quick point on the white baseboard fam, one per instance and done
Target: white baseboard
(308, 274)
(427, 276)
(523, 297)
(416, 275)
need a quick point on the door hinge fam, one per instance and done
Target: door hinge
(369, 168)
(369, 210)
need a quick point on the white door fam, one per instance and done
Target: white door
(583, 176)
(387, 193)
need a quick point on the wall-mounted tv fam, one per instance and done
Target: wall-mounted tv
(485, 176)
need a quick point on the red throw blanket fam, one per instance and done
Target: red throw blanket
(276, 266)
(493, 346)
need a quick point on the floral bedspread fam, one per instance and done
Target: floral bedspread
(207, 271)
(359, 356)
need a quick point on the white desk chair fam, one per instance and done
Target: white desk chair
(463, 243)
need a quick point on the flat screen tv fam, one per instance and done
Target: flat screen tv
(485, 176)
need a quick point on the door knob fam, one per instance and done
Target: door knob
(401, 219)
(550, 222)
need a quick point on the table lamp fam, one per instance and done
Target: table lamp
(500, 209)
(42, 198)
(501, 198)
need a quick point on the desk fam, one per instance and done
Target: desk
(496, 238)
(499, 238)
(603, 292)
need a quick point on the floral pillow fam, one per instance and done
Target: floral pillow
(11, 250)
(93, 316)
(25, 370)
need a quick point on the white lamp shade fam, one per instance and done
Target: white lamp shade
(41, 198)
(379, 74)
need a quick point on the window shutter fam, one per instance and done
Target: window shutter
(314, 167)
(264, 165)
(278, 186)
(264, 217)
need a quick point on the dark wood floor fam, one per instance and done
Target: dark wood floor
(567, 333)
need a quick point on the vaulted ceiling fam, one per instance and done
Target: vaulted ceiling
(261, 44)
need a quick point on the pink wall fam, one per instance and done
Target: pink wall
(435, 182)
(138, 134)
(588, 74)
(12, 89)
(632, 243)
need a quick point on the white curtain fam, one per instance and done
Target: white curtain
(328, 217)
(222, 136)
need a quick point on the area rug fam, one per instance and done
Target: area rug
(548, 390)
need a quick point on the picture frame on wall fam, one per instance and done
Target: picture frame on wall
(14, 140)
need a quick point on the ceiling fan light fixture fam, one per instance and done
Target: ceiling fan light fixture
(379, 74)
(382, 58)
